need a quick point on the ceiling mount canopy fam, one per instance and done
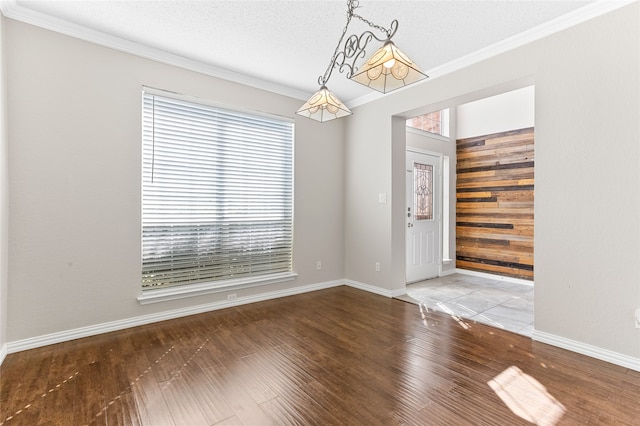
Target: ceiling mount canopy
(386, 70)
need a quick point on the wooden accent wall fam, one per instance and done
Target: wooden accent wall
(494, 208)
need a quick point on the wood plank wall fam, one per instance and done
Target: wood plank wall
(494, 208)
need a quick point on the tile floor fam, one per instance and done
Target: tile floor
(493, 302)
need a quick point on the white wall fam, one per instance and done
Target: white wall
(501, 113)
(4, 200)
(74, 113)
(587, 209)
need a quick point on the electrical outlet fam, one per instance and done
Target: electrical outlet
(232, 296)
(377, 266)
(319, 265)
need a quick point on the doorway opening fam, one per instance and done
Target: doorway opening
(491, 232)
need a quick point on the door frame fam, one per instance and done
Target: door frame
(438, 211)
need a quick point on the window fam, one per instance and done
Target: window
(436, 122)
(217, 193)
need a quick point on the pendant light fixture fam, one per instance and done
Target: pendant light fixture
(324, 106)
(386, 70)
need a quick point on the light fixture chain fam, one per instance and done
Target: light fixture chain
(372, 25)
(352, 5)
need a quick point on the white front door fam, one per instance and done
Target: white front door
(423, 216)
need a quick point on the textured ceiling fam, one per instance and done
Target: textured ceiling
(289, 43)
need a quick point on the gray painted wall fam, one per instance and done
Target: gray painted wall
(74, 136)
(4, 198)
(587, 227)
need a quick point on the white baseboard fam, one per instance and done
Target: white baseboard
(447, 272)
(494, 277)
(3, 353)
(377, 290)
(77, 333)
(35, 342)
(589, 350)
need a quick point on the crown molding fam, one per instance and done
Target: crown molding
(12, 10)
(578, 16)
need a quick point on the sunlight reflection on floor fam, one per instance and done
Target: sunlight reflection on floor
(508, 306)
(442, 308)
(526, 397)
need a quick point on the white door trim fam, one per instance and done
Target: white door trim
(438, 212)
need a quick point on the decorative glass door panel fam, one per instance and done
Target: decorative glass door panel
(423, 191)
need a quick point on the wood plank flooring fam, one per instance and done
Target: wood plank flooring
(339, 356)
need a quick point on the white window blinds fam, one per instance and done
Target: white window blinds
(217, 193)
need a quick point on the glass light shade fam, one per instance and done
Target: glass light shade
(323, 106)
(388, 69)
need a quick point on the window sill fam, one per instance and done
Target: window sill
(191, 290)
(428, 134)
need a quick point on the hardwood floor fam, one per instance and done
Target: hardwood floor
(339, 356)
